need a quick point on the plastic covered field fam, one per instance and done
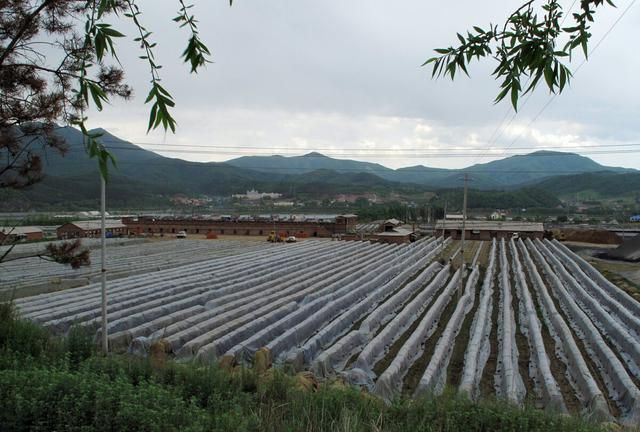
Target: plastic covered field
(528, 320)
(125, 257)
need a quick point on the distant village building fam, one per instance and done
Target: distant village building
(487, 230)
(83, 229)
(284, 204)
(387, 231)
(397, 234)
(498, 215)
(453, 216)
(22, 233)
(254, 195)
(352, 198)
(91, 213)
(389, 225)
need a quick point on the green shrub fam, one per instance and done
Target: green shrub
(46, 400)
(23, 337)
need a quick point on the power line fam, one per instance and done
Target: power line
(495, 135)
(546, 105)
(396, 155)
(365, 150)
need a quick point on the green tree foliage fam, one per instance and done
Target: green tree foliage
(531, 45)
(76, 68)
(517, 199)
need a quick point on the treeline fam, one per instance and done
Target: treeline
(476, 199)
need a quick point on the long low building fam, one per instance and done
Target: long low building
(19, 233)
(168, 226)
(487, 230)
(84, 229)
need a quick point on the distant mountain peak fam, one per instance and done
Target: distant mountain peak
(551, 152)
(314, 155)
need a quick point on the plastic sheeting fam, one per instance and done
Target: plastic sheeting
(478, 348)
(131, 285)
(626, 343)
(387, 310)
(79, 305)
(509, 384)
(389, 384)
(302, 331)
(435, 375)
(201, 329)
(336, 356)
(239, 291)
(347, 265)
(376, 348)
(613, 290)
(539, 364)
(577, 371)
(233, 332)
(341, 324)
(338, 285)
(619, 384)
(618, 310)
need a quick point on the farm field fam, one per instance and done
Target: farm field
(125, 257)
(533, 321)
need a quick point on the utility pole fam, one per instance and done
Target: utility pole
(464, 225)
(444, 221)
(103, 272)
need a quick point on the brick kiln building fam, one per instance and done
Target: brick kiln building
(487, 230)
(90, 229)
(319, 227)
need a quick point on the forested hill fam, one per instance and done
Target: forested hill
(602, 183)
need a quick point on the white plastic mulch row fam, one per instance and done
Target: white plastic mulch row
(141, 279)
(23, 249)
(509, 384)
(626, 343)
(190, 340)
(395, 312)
(610, 303)
(82, 305)
(356, 291)
(353, 264)
(122, 260)
(328, 334)
(545, 384)
(620, 386)
(578, 374)
(340, 286)
(389, 384)
(435, 375)
(376, 349)
(614, 291)
(478, 348)
(220, 294)
(129, 293)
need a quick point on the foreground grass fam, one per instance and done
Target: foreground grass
(61, 384)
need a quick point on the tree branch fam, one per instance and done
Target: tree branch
(23, 29)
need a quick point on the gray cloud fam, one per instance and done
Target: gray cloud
(338, 75)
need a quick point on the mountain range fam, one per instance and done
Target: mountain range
(143, 176)
(505, 173)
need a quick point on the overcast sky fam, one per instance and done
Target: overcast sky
(344, 78)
